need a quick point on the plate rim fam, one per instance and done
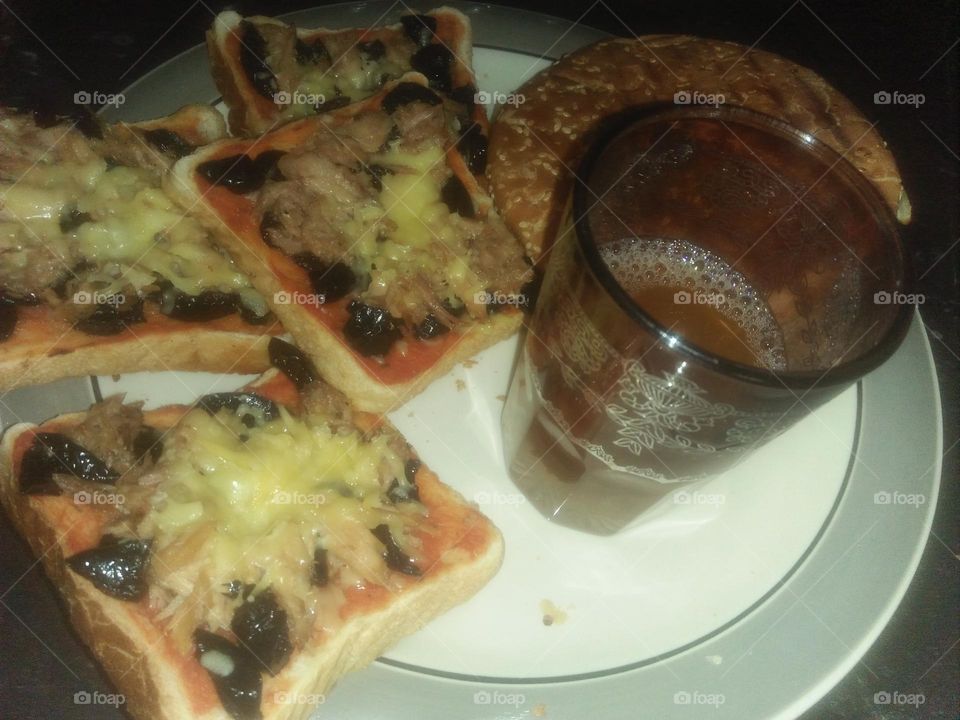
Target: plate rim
(917, 342)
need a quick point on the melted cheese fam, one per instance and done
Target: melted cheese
(353, 76)
(271, 495)
(135, 234)
(423, 236)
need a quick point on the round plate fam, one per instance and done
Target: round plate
(777, 575)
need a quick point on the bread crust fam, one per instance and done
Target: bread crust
(193, 348)
(338, 363)
(149, 676)
(249, 115)
(536, 146)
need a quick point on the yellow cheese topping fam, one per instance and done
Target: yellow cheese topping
(265, 497)
(410, 229)
(357, 79)
(135, 232)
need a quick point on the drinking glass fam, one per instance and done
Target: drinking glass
(718, 275)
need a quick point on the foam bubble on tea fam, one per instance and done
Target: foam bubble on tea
(697, 296)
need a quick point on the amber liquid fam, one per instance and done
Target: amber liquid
(701, 324)
(698, 301)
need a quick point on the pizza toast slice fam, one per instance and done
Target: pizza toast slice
(231, 558)
(370, 238)
(270, 72)
(100, 271)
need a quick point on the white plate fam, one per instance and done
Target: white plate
(747, 598)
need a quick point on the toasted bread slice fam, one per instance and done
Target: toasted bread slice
(420, 550)
(372, 241)
(270, 72)
(101, 273)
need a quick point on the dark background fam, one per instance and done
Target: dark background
(52, 49)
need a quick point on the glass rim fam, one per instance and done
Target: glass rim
(844, 372)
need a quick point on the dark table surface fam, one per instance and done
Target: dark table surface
(861, 47)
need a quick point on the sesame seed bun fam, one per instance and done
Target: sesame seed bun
(536, 146)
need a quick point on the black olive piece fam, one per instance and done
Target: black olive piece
(398, 493)
(169, 142)
(266, 164)
(149, 441)
(311, 53)
(320, 575)
(456, 310)
(457, 198)
(419, 28)
(8, 317)
(72, 219)
(396, 558)
(406, 93)
(253, 53)
(269, 222)
(115, 567)
(241, 174)
(208, 305)
(329, 282)
(111, 318)
(410, 468)
(373, 50)
(430, 327)
(215, 402)
(530, 291)
(240, 690)
(53, 453)
(332, 104)
(289, 360)
(465, 95)
(434, 62)
(260, 625)
(370, 330)
(473, 146)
